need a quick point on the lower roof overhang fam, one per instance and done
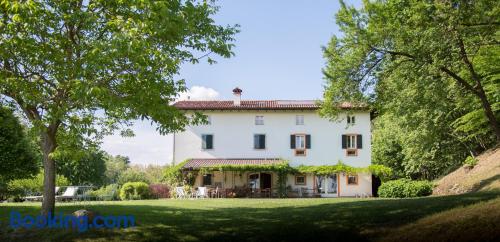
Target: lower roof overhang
(197, 164)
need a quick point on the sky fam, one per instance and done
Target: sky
(277, 56)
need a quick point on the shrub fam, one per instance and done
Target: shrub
(31, 186)
(405, 188)
(159, 190)
(135, 190)
(107, 193)
(471, 161)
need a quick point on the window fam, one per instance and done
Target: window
(259, 141)
(351, 146)
(352, 179)
(352, 142)
(299, 120)
(300, 180)
(259, 120)
(300, 142)
(207, 141)
(207, 180)
(351, 119)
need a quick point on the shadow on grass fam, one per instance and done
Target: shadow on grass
(344, 220)
(486, 182)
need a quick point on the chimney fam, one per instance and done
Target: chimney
(237, 96)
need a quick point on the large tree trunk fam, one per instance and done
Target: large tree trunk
(48, 144)
(489, 114)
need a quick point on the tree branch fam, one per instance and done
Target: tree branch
(467, 62)
(450, 73)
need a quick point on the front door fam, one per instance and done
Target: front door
(265, 180)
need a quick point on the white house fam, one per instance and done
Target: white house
(269, 132)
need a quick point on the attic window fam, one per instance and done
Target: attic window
(351, 119)
(259, 120)
(299, 120)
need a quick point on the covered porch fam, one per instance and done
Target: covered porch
(233, 178)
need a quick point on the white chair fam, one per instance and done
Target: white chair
(69, 194)
(216, 193)
(180, 193)
(40, 198)
(202, 192)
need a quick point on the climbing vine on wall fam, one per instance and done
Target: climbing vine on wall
(176, 175)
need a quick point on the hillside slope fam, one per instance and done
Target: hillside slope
(485, 176)
(478, 222)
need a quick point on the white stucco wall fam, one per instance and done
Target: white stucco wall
(234, 130)
(364, 186)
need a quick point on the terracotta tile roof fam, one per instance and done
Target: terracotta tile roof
(199, 163)
(255, 105)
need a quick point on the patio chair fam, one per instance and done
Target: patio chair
(39, 198)
(202, 192)
(180, 193)
(69, 194)
(216, 193)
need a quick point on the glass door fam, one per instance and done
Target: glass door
(327, 185)
(331, 184)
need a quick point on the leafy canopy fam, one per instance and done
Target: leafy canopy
(86, 167)
(429, 69)
(422, 41)
(78, 64)
(88, 67)
(18, 157)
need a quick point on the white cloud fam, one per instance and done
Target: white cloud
(199, 93)
(146, 147)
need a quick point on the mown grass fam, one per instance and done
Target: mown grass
(341, 219)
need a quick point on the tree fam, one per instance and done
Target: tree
(115, 165)
(86, 168)
(412, 133)
(154, 173)
(76, 64)
(449, 39)
(132, 174)
(150, 174)
(18, 158)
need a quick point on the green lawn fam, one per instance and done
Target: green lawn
(254, 219)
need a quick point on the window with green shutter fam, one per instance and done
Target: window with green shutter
(259, 141)
(207, 141)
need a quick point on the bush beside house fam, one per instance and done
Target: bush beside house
(159, 191)
(404, 188)
(135, 191)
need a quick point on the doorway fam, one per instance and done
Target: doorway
(327, 185)
(265, 180)
(260, 180)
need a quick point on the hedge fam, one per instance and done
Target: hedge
(403, 188)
